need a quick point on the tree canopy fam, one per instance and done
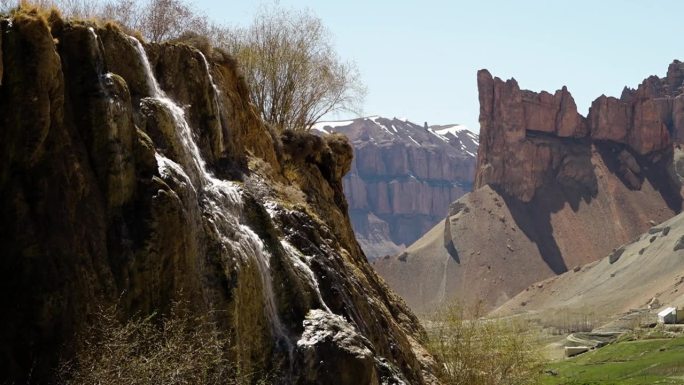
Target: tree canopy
(295, 75)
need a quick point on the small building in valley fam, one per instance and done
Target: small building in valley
(671, 315)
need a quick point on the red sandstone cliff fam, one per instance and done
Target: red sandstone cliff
(552, 190)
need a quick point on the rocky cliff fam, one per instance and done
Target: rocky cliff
(403, 178)
(553, 190)
(529, 139)
(139, 174)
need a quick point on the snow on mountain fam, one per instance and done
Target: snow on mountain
(383, 130)
(403, 177)
(326, 127)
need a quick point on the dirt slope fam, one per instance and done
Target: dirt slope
(651, 266)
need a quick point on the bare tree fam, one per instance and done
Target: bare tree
(294, 73)
(78, 8)
(127, 13)
(163, 19)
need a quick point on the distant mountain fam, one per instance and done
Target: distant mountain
(403, 177)
(553, 190)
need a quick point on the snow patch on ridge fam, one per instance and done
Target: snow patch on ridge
(457, 135)
(321, 126)
(453, 130)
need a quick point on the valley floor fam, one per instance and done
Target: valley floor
(642, 362)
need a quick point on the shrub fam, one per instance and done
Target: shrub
(482, 352)
(177, 349)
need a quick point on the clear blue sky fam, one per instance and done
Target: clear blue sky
(419, 59)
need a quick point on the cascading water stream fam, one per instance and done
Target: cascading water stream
(295, 255)
(221, 199)
(218, 104)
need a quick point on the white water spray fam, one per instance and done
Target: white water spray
(296, 257)
(221, 199)
(216, 100)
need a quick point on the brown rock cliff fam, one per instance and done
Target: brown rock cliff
(110, 192)
(514, 159)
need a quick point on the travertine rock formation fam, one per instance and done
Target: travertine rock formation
(140, 176)
(553, 190)
(403, 178)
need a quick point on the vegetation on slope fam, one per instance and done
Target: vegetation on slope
(482, 351)
(179, 348)
(650, 361)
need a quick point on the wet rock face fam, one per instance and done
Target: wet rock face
(1, 67)
(114, 189)
(518, 127)
(334, 353)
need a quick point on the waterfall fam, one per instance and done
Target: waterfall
(221, 200)
(216, 93)
(296, 257)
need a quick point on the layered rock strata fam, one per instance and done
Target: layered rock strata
(403, 178)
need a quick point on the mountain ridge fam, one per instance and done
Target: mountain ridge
(552, 190)
(403, 177)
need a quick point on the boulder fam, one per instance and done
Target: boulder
(333, 352)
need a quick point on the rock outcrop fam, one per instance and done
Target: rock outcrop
(552, 190)
(112, 193)
(403, 178)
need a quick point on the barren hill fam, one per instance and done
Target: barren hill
(651, 266)
(553, 190)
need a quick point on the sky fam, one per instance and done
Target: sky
(419, 59)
